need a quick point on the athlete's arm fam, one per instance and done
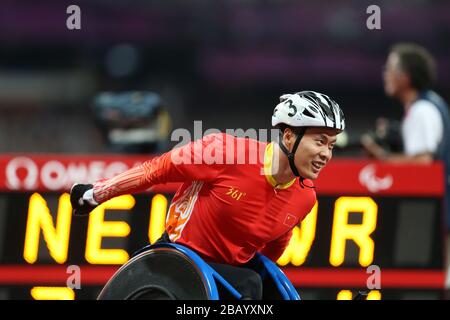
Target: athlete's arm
(180, 164)
(185, 163)
(274, 249)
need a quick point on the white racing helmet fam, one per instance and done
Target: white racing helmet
(308, 109)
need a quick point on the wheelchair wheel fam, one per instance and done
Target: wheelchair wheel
(157, 274)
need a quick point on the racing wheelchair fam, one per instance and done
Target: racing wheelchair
(169, 271)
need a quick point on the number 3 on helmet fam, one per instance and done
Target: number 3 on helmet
(308, 109)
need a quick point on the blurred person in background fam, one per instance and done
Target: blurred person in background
(133, 121)
(409, 76)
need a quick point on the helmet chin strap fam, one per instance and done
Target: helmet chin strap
(291, 154)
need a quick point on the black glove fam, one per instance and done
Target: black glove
(82, 199)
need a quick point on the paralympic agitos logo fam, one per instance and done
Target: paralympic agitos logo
(373, 183)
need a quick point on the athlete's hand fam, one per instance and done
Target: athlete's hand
(82, 199)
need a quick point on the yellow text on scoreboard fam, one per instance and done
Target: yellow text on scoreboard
(56, 232)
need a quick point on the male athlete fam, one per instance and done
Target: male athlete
(229, 212)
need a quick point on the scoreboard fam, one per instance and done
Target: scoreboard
(375, 226)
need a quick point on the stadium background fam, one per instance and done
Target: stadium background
(222, 62)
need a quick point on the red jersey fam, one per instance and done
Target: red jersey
(229, 206)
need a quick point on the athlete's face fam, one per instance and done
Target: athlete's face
(314, 151)
(395, 80)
